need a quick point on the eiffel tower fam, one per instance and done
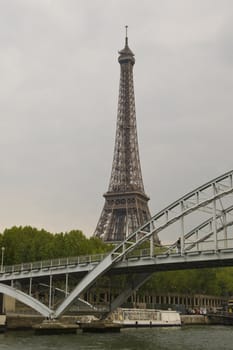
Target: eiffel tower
(126, 206)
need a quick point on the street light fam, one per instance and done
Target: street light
(3, 249)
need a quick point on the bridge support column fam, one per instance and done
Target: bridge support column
(50, 290)
(67, 282)
(182, 231)
(225, 230)
(152, 246)
(30, 286)
(153, 239)
(215, 220)
(133, 284)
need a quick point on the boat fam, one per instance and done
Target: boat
(146, 317)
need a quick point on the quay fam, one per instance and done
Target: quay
(100, 327)
(223, 318)
(194, 320)
(27, 322)
(218, 318)
(54, 327)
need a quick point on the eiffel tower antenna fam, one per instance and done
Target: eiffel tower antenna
(126, 206)
(126, 31)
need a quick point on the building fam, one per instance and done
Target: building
(126, 204)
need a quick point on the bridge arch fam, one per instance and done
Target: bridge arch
(203, 197)
(26, 299)
(197, 199)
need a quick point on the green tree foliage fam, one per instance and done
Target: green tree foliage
(215, 281)
(27, 244)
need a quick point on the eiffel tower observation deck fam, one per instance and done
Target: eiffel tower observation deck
(126, 204)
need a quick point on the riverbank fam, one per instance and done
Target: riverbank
(20, 321)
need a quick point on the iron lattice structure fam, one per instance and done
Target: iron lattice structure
(126, 204)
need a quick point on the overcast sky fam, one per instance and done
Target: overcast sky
(59, 93)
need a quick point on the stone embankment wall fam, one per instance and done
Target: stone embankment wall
(22, 321)
(15, 321)
(194, 319)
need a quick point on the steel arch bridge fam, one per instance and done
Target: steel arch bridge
(200, 224)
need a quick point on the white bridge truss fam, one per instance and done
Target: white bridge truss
(210, 243)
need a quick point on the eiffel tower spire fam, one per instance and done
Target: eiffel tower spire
(125, 207)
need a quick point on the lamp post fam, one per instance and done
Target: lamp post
(2, 260)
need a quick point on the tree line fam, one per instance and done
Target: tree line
(28, 244)
(211, 281)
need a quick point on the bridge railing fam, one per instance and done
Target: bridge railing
(69, 261)
(44, 264)
(96, 258)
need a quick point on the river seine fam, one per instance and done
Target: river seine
(184, 338)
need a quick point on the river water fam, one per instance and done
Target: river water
(183, 338)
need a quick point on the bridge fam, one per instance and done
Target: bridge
(200, 224)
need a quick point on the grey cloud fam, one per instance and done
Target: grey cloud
(58, 102)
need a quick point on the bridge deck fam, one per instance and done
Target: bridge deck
(140, 262)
